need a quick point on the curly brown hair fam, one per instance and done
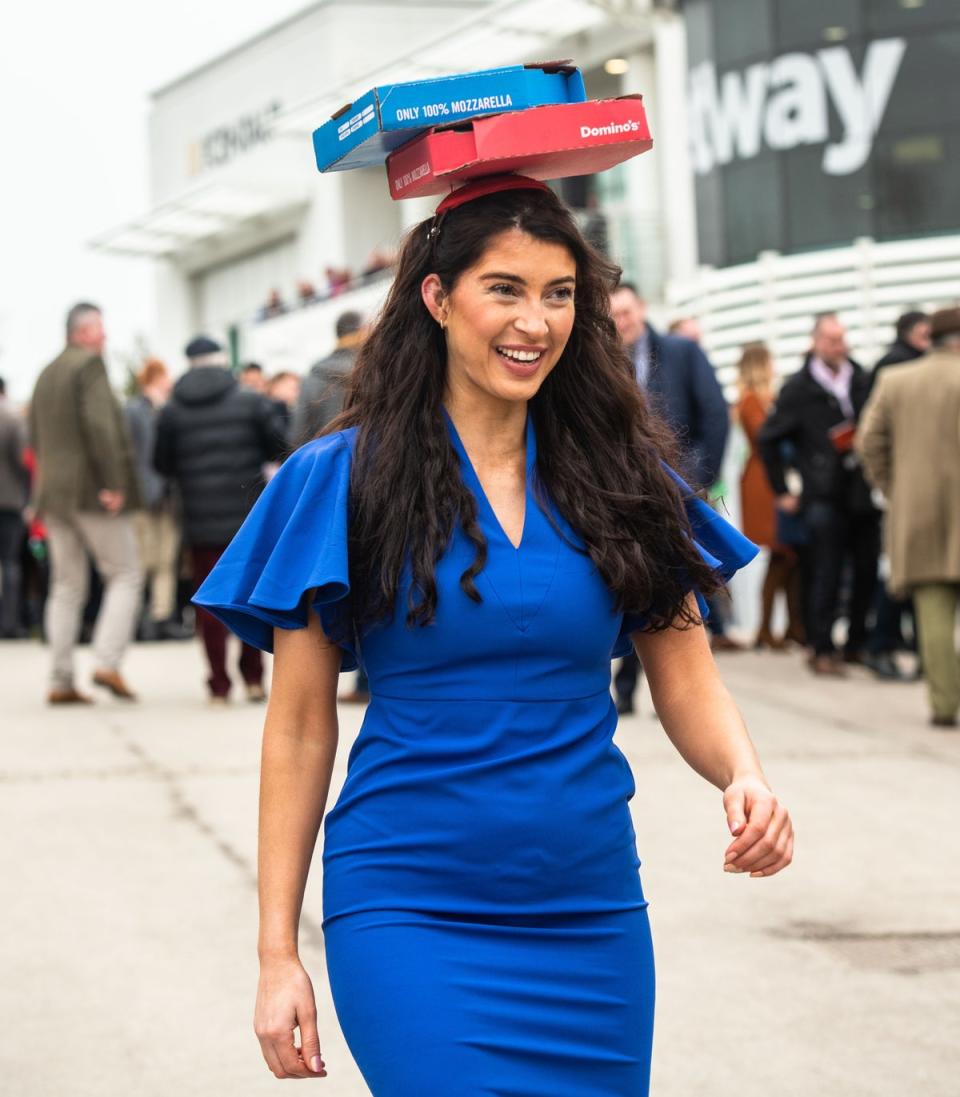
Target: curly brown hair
(600, 450)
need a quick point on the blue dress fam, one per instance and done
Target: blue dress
(486, 931)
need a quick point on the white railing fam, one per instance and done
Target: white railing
(297, 339)
(775, 299)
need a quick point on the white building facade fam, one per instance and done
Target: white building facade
(801, 163)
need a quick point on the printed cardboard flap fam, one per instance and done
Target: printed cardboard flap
(365, 131)
(551, 142)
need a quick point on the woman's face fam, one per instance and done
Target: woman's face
(508, 317)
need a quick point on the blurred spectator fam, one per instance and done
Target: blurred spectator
(14, 483)
(680, 384)
(758, 507)
(595, 227)
(338, 280)
(252, 377)
(86, 486)
(283, 389)
(379, 260)
(306, 292)
(158, 531)
(213, 439)
(682, 387)
(687, 327)
(321, 400)
(274, 307)
(35, 561)
(324, 387)
(910, 445)
(912, 340)
(816, 413)
(886, 637)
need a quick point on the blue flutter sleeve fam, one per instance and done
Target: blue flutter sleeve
(290, 554)
(722, 546)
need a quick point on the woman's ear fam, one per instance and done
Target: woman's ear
(431, 290)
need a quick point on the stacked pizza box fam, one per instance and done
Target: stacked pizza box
(437, 134)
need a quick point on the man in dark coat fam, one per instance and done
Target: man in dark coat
(213, 439)
(912, 341)
(816, 412)
(323, 389)
(86, 488)
(682, 388)
(680, 384)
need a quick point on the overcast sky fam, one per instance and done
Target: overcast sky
(74, 84)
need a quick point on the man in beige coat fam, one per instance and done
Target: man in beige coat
(909, 443)
(86, 485)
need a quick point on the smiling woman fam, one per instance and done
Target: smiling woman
(486, 525)
(509, 316)
(480, 286)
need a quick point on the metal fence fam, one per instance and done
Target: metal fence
(868, 284)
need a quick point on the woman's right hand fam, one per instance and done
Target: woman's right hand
(285, 1002)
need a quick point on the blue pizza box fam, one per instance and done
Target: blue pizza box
(366, 131)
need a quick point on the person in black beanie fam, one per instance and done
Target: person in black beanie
(213, 439)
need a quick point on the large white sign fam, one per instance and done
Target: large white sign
(227, 141)
(784, 103)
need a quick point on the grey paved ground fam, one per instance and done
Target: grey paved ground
(128, 902)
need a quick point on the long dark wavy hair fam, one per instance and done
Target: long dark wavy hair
(599, 447)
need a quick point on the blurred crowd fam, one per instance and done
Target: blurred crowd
(111, 515)
(841, 461)
(336, 280)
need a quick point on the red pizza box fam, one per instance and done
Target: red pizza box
(550, 142)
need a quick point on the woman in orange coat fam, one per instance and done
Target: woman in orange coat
(756, 385)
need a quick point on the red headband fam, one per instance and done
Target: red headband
(487, 184)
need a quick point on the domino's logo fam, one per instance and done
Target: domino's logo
(358, 121)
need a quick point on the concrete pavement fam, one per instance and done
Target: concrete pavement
(129, 906)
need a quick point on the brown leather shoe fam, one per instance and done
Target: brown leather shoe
(354, 697)
(943, 721)
(69, 696)
(113, 681)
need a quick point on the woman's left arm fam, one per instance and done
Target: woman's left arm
(703, 723)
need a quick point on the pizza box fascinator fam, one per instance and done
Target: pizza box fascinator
(514, 127)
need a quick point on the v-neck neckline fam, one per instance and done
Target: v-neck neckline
(477, 487)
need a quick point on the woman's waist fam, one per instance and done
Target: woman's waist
(430, 696)
(554, 791)
(404, 738)
(485, 864)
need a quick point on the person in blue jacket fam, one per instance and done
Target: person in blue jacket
(487, 523)
(680, 384)
(682, 387)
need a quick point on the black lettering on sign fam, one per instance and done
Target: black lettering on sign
(222, 144)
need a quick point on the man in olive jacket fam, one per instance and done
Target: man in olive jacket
(86, 487)
(909, 442)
